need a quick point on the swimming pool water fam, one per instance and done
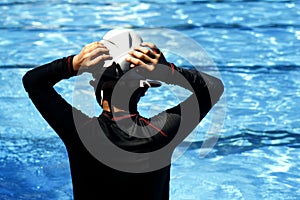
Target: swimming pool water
(256, 46)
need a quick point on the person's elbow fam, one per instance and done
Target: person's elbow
(27, 81)
(216, 91)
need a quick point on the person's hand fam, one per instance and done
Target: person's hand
(91, 55)
(147, 58)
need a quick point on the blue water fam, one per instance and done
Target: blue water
(256, 47)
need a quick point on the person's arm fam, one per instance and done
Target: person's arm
(206, 88)
(39, 83)
(183, 118)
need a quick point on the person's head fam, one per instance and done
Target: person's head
(120, 86)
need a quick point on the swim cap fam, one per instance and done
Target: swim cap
(120, 42)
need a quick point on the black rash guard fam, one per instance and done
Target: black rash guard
(93, 179)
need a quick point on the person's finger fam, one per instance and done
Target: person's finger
(92, 46)
(152, 46)
(96, 56)
(147, 51)
(135, 61)
(99, 59)
(141, 56)
(98, 51)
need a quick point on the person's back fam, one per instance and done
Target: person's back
(96, 179)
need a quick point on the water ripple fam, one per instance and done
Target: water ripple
(248, 140)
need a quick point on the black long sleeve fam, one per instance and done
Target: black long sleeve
(39, 83)
(183, 118)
